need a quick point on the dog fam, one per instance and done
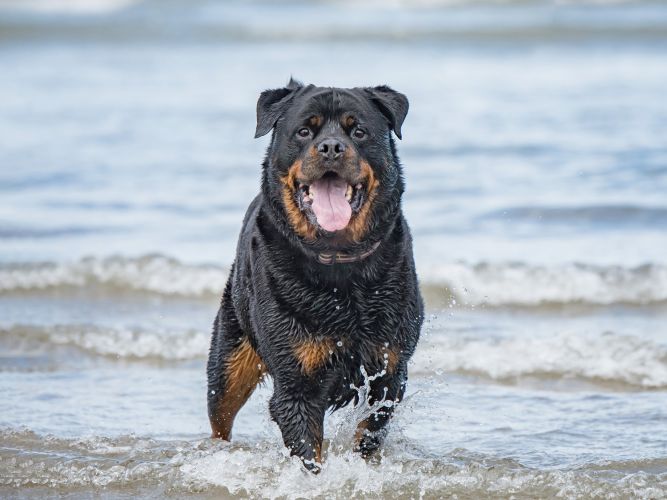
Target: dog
(323, 289)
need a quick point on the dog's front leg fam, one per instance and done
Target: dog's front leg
(298, 405)
(385, 391)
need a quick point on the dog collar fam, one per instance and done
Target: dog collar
(331, 258)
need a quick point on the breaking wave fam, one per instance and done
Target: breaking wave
(151, 273)
(608, 358)
(491, 284)
(611, 359)
(126, 343)
(132, 465)
(520, 284)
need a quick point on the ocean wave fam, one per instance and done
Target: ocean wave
(134, 32)
(119, 343)
(31, 460)
(610, 358)
(595, 216)
(520, 284)
(138, 466)
(67, 6)
(150, 273)
(489, 284)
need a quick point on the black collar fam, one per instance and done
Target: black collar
(331, 258)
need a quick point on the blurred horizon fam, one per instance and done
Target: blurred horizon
(202, 21)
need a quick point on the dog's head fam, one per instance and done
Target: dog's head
(331, 169)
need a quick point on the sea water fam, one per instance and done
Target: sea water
(535, 159)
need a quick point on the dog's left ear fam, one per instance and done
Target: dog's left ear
(392, 104)
(272, 104)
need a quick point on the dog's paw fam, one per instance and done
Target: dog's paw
(369, 444)
(311, 465)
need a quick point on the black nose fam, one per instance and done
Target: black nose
(331, 149)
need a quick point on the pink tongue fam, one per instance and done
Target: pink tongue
(332, 210)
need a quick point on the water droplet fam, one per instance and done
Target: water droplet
(339, 343)
(337, 307)
(377, 291)
(335, 290)
(386, 344)
(212, 392)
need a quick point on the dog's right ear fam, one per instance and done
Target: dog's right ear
(272, 104)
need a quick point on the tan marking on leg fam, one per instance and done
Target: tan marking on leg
(295, 216)
(359, 224)
(359, 433)
(390, 357)
(318, 453)
(312, 354)
(243, 371)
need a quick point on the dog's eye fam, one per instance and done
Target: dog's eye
(358, 133)
(303, 132)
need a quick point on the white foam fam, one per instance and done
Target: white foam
(151, 273)
(608, 357)
(263, 469)
(493, 284)
(119, 342)
(68, 6)
(530, 285)
(269, 474)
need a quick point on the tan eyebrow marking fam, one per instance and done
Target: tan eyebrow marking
(315, 121)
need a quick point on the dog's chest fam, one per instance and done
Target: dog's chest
(353, 315)
(346, 329)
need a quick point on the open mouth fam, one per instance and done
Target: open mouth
(330, 201)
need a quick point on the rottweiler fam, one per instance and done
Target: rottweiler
(323, 293)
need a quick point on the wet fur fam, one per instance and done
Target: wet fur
(308, 325)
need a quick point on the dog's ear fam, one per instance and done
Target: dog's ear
(392, 104)
(272, 104)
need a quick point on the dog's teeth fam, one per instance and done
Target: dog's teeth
(348, 193)
(358, 186)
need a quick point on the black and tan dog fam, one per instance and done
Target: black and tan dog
(324, 279)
